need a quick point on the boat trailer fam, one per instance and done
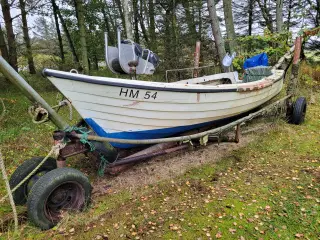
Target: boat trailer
(50, 188)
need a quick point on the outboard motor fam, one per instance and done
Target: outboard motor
(151, 57)
(130, 58)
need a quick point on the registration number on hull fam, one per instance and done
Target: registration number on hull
(132, 93)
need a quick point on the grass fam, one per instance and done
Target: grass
(268, 189)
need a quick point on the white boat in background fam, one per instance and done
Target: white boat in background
(132, 109)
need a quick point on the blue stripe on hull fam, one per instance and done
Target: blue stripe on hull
(148, 134)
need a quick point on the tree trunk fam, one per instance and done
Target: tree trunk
(136, 21)
(3, 46)
(289, 15)
(96, 63)
(12, 50)
(26, 37)
(200, 18)
(279, 17)
(143, 28)
(318, 14)
(111, 38)
(127, 19)
(56, 21)
(216, 31)
(228, 18)
(266, 14)
(175, 34)
(190, 20)
(82, 29)
(66, 31)
(152, 27)
(250, 13)
(123, 21)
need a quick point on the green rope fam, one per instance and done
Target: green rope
(84, 135)
(103, 164)
(84, 140)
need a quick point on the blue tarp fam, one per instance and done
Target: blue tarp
(258, 60)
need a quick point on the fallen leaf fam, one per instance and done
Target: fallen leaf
(298, 235)
(218, 235)
(268, 208)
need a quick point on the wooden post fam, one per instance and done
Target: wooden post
(196, 60)
(292, 84)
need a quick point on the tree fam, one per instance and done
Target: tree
(122, 15)
(66, 31)
(82, 30)
(55, 15)
(127, 19)
(228, 18)
(26, 37)
(189, 19)
(3, 46)
(136, 20)
(266, 13)
(250, 15)
(142, 25)
(12, 49)
(152, 27)
(216, 31)
(279, 16)
(107, 22)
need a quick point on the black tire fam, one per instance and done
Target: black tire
(21, 194)
(63, 189)
(299, 111)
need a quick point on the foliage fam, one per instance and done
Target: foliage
(310, 75)
(275, 45)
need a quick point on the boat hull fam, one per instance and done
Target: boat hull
(149, 112)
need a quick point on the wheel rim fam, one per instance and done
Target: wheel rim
(69, 196)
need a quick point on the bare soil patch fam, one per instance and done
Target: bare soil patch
(174, 164)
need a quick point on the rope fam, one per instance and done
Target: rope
(36, 112)
(62, 103)
(103, 164)
(54, 152)
(84, 140)
(13, 206)
(84, 135)
(3, 110)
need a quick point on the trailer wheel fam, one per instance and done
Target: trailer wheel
(21, 194)
(57, 192)
(299, 111)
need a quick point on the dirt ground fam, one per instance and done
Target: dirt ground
(174, 164)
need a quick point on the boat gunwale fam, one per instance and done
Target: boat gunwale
(106, 81)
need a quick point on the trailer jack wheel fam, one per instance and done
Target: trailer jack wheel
(56, 193)
(21, 194)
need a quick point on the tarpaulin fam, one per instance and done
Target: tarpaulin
(258, 60)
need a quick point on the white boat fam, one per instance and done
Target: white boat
(132, 109)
